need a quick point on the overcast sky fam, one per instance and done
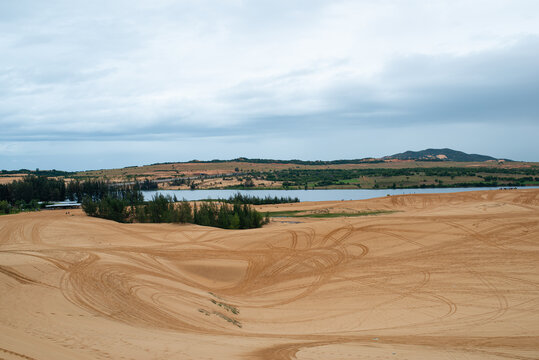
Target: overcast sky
(101, 84)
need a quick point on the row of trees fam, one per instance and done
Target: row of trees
(38, 188)
(99, 189)
(226, 216)
(254, 200)
(146, 185)
(126, 203)
(327, 177)
(18, 206)
(37, 172)
(165, 209)
(95, 189)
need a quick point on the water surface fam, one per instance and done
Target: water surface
(308, 195)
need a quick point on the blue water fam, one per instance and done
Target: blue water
(307, 195)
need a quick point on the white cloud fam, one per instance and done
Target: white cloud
(106, 70)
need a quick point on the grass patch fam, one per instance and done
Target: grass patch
(298, 214)
(234, 310)
(291, 213)
(229, 319)
(222, 316)
(334, 215)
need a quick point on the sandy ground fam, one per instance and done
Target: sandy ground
(450, 276)
(8, 179)
(220, 183)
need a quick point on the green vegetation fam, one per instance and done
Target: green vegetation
(222, 316)
(99, 189)
(25, 194)
(254, 200)
(146, 185)
(37, 172)
(431, 155)
(426, 171)
(302, 214)
(234, 310)
(222, 215)
(385, 178)
(126, 203)
(128, 206)
(229, 319)
(5, 207)
(293, 161)
(289, 213)
(230, 308)
(344, 214)
(118, 209)
(20, 205)
(32, 187)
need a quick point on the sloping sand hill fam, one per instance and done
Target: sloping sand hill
(446, 276)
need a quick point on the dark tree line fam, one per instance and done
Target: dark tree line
(165, 209)
(126, 203)
(178, 182)
(98, 189)
(37, 172)
(26, 194)
(146, 185)
(254, 200)
(327, 177)
(95, 189)
(39, 188)
(226, 216)
(274, 161)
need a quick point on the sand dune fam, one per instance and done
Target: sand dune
(446, 276)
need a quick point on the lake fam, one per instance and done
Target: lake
(307, 195)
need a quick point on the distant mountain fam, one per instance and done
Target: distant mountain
(439, 155)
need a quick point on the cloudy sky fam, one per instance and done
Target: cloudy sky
(100, 84)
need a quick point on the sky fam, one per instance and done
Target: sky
(104, 84)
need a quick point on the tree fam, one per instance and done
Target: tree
(186, 215)
(235, 222)
(89, 206)
(4, 207)
(113, 209)
(248, 182)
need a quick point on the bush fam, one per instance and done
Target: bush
(89, 206)
(5, 207)
(113, 209)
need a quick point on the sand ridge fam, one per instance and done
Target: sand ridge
(445, 276)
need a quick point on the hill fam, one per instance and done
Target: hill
(440, 155)
(411, 169)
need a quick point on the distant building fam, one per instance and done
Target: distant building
(63, 205)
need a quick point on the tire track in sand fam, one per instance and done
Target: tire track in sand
(16, 354)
